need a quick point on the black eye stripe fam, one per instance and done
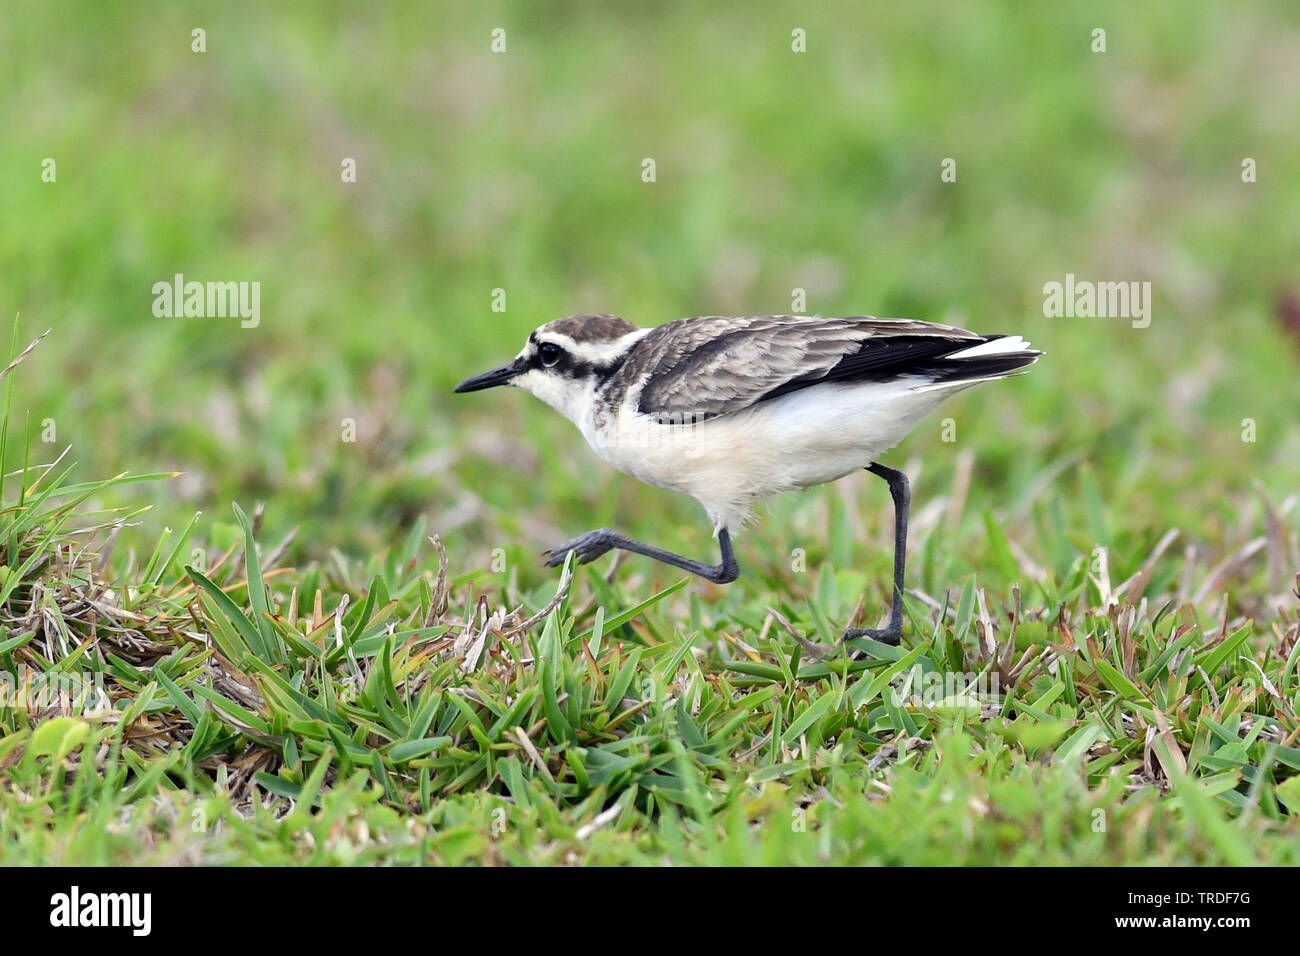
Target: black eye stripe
(556, 359)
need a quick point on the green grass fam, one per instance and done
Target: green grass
(401, 718)
(1099, 551)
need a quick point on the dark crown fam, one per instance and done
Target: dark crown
(591, 328)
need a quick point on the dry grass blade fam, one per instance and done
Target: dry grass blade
(1228, 566)
(438, 605)
(560, 592)
(22, 355)
(815, 651)
(1138, 582)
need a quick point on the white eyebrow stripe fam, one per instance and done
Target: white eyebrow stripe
(594, 353)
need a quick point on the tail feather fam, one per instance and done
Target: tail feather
(994, 358)
(994, 345)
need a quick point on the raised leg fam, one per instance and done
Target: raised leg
(902, 495)
(590, 546)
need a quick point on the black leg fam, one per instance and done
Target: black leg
(902, 495)
(590, 546)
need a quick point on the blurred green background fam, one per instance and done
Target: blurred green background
(521, 171)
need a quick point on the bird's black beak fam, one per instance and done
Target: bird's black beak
(490, 378)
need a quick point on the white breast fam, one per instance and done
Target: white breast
(809, 437)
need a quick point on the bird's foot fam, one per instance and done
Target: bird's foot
(586, 547)
(885, 635)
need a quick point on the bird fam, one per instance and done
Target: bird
(730, 410)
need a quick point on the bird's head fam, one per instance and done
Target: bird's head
(564, 361)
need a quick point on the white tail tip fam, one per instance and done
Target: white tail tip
(1002, 346)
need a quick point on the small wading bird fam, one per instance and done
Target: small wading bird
(733, 410)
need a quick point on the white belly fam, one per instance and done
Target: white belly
(808, 437)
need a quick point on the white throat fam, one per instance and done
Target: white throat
(574, 399)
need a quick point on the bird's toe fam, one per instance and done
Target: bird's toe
(585, 547)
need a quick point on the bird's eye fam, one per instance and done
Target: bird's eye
(549, 353)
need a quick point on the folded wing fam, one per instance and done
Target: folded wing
(695, 369)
